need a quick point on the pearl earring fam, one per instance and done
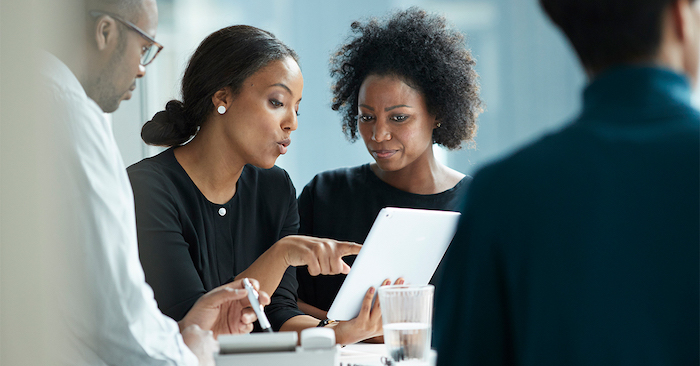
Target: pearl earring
(221, 109)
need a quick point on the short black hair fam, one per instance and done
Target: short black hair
(420, 49)
(226, 58)
(609, 32)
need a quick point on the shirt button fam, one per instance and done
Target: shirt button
(222, 211)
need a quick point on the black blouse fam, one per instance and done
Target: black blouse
(342, 204)
(189, 245)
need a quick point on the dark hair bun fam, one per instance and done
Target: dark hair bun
(169, 127)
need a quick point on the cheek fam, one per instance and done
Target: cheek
(365, 131)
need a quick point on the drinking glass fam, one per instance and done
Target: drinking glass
(407, 313)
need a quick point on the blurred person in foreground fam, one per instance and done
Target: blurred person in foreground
(582, 248)
(108, 311)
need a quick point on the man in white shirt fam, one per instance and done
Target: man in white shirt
(108, 311)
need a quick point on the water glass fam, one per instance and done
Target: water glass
(407, 313)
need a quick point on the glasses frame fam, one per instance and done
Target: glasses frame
(133, 27)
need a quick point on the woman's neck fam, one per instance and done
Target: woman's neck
(212, 165)
(422, 177)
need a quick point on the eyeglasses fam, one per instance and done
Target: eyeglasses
(148, 53)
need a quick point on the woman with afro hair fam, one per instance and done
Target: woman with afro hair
(402, 84)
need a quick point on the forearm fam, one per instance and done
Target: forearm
(311, 310)
(299, 323)
(268, 269)
(344, 332)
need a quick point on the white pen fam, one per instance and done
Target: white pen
(255, 304)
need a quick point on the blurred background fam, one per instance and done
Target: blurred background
(530, 79)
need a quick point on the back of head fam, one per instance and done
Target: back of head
(609, 32)
(128, 9)
(224, 59)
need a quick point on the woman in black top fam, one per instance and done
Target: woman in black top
(404, 84)
(216, 208)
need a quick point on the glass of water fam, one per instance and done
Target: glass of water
(407, 313)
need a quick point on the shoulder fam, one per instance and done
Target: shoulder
(152, 166)
(340, 178)
(507, 178)
(151, 173)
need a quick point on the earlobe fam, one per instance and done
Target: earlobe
(221, 100)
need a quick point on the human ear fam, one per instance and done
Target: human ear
(106, 33)
(222, 98)
(684, 23)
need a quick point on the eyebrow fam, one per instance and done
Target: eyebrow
(387, 109)
(285, 87)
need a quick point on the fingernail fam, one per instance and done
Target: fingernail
(371, 290)
(401, 282)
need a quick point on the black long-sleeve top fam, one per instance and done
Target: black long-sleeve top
(189, 245)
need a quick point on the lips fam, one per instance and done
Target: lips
(129, 92)
(383, 154)
(282, 145)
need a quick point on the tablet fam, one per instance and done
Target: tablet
(402, 242)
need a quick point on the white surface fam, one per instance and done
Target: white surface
(364, 354)
(315, 338)
(299, 357)
(402, 242)
(258, 342)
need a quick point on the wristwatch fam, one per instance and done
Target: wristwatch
(325, 322)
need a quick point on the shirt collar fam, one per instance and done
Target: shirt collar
(635, 89)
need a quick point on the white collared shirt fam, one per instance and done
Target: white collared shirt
(109, 313)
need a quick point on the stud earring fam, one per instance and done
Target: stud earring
(221, 109)
(439, 124)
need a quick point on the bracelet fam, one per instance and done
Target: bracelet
(325, 322)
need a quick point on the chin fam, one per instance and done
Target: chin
(386, 166)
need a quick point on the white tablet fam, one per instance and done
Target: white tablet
(402, 242)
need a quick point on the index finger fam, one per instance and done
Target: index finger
(348, 248)
(263, 298)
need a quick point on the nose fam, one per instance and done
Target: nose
(381, 132)
(142, 71)
(291, 123)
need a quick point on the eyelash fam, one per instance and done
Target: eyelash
(397, 118)
(277, 103)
